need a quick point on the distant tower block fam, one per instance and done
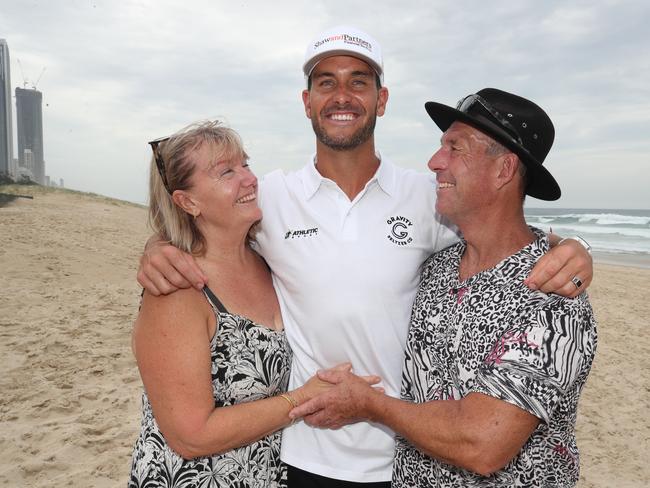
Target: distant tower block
(28, 160)
(29, 117)
(7, 163)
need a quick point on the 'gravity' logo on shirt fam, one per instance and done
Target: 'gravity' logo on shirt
(293, 234)
(399, 230)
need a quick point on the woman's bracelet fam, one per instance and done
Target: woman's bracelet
(290, 400)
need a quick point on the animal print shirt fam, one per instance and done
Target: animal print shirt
(490, 334)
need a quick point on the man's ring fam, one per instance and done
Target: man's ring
(576, 281)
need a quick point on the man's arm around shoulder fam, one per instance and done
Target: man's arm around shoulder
(165, 268)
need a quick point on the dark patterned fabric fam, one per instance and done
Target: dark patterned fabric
(491, 334)
(249, 362)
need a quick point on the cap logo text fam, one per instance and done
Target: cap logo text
(357, 41)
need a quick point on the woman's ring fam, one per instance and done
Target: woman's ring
(576, 281)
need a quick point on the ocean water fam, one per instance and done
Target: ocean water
(607, 230)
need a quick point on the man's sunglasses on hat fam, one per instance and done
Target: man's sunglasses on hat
(465, 104)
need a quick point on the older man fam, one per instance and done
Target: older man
(345, 238)
(493, 370)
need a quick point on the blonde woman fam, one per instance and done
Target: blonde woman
(215, 364)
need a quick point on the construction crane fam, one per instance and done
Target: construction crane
(25, 80)
(20, 65)
(39, 77)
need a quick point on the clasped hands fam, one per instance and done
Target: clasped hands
(344, 402)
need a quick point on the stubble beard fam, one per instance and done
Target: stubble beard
(344, 143)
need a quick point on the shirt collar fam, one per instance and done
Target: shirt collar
(500, 273)
(385, 177)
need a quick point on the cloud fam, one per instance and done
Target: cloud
(121, 73)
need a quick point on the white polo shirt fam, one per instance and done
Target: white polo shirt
(346, 274)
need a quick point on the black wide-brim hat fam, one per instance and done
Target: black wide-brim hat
(517, 123)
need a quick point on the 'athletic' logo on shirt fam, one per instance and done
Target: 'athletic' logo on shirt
(292, 234)
(399, 230)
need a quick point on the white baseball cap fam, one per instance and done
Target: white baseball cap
(344, 41)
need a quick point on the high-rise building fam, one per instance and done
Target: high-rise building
(29, 119)
(7, 165)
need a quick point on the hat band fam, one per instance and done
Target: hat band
(465, 105)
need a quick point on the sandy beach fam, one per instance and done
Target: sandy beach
(70, 390)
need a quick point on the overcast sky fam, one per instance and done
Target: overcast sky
(120, 73)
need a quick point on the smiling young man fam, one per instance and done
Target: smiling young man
(343, 102)
(346, 288)
(345, 238)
